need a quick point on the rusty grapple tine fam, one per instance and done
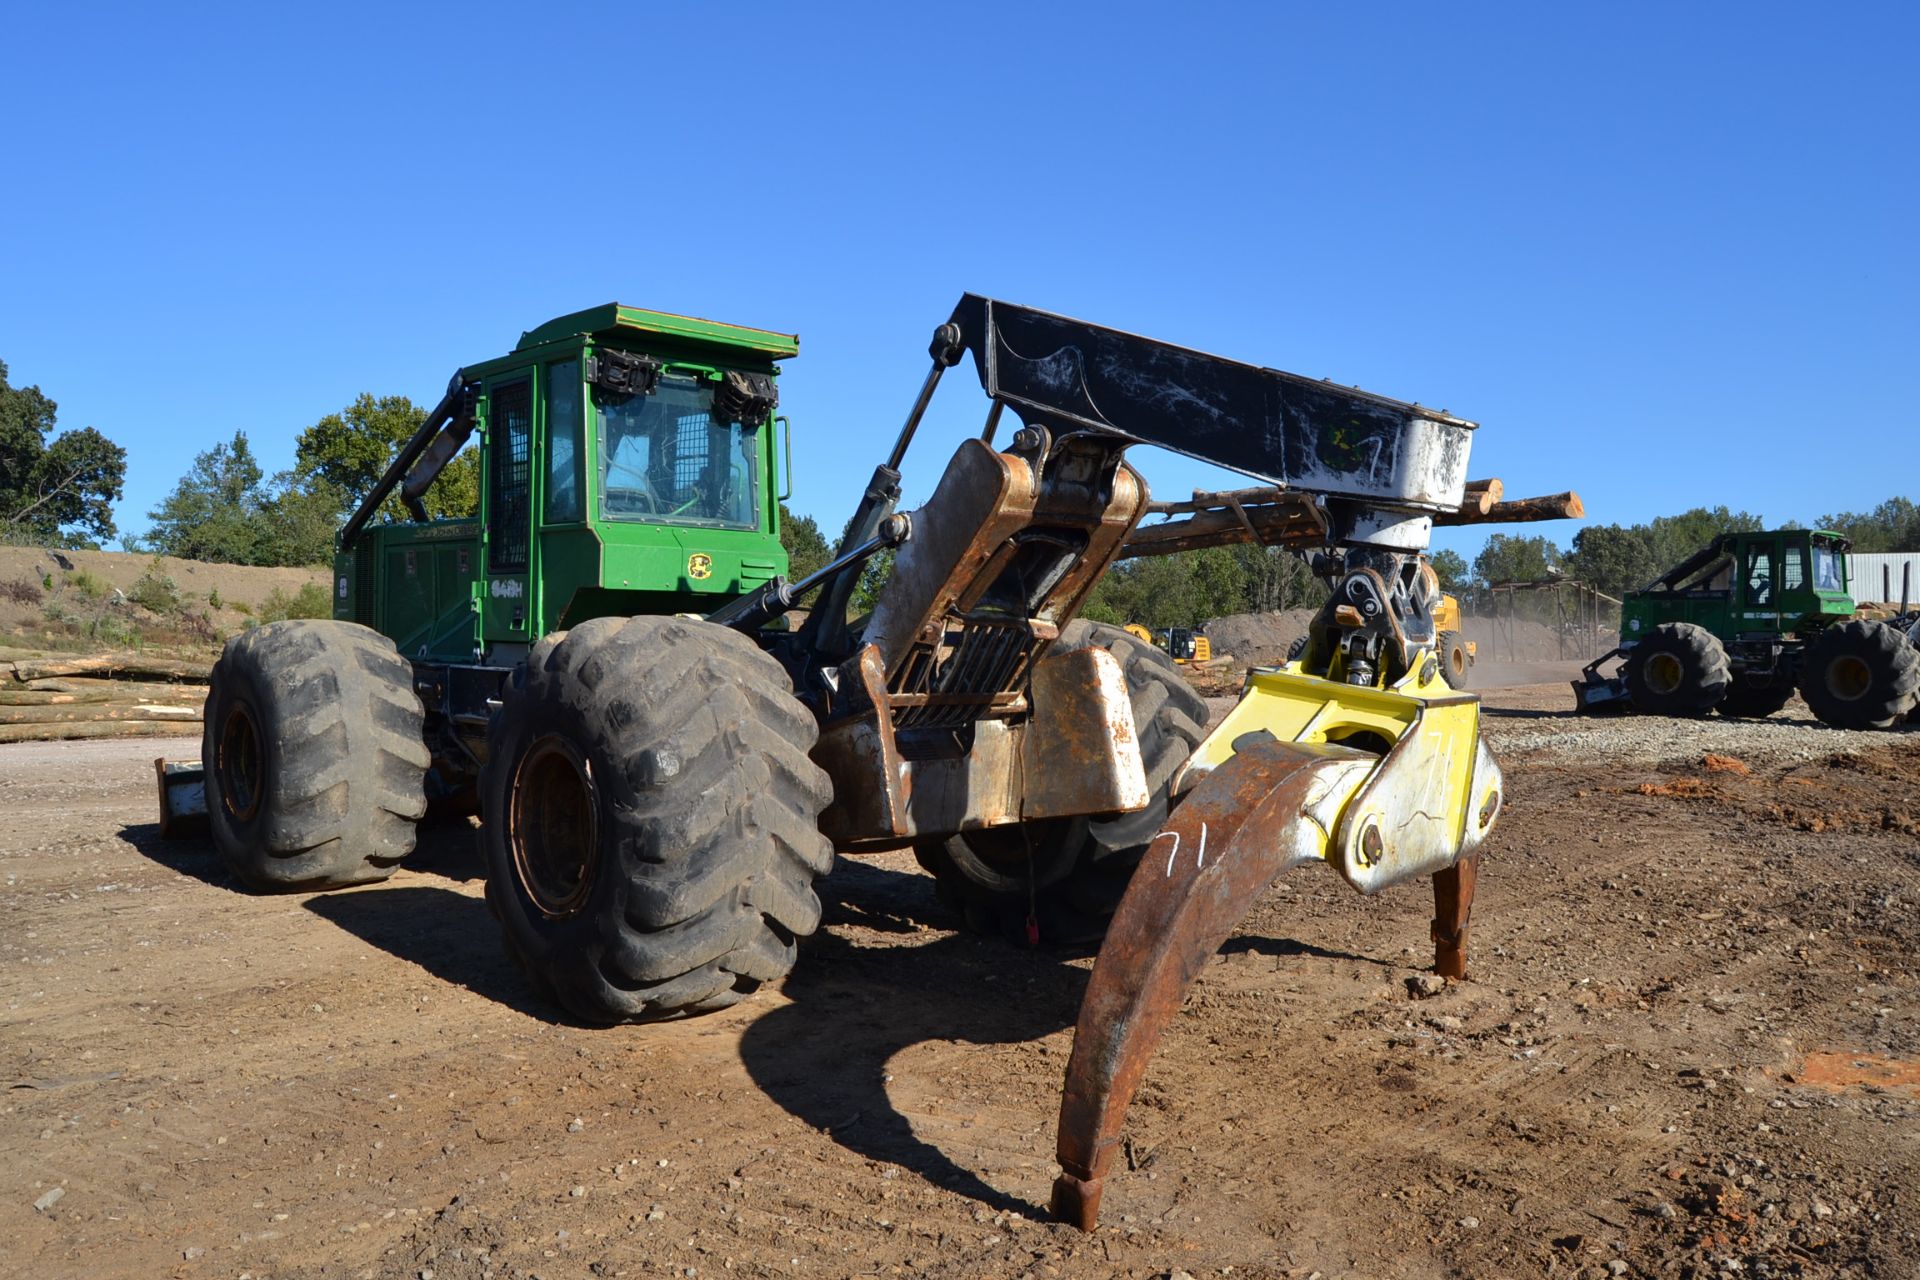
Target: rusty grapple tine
(1250, 819)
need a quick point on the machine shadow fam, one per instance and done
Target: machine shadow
(450, 935)
(443, 847)
(824, 1057)
(192, 856)
(1290, 948)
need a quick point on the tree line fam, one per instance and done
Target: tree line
(59, 489)
(55, 490)
(226, 508)
(1618, 558)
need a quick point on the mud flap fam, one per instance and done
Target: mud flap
(183, 798)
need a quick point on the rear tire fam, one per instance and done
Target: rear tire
(651, 819)
(1455, 662)
(1861, 675)
(1071, 872)
(1678, 670)
(315, 756)
(1755, 702)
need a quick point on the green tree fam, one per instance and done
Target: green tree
(215, 512)
(1275, 579)
(1180, 590)
(1615, 558)
(1894, 525)
(1622, 558)
(1674, 538)
(806, 546)
(1452, 570)
(299, 521)
(1511, 558)
(61, 490)
(346, 453)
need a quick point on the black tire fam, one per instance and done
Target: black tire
(1298, 647)
(1860, 675)
(1678, 669)
(315, 756)
(1755, 702)
(651, 819)
(1071, 872)
(1455, 662)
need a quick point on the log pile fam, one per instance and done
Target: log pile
(1278, 517)
(106, 696)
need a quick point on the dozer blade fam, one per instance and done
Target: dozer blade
(1384, 783)
(183, 798)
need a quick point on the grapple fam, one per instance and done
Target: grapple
(1358, 753)
(1294, 775)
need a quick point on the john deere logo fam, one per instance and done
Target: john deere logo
(699, 565)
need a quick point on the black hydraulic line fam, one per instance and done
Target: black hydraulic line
(757, 608)
(442, 413)
(825, 632)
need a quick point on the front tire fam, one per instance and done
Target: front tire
(651, 819)
(315, 756)
(1069, 873)
(1679, 669)
(1861, 675)
(1455, 661)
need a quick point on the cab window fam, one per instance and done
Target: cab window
(666, 458)
(1794, 569)
(1760, 575)
(563, 442)
(1826, 569)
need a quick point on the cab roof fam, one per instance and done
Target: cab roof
(613, 319)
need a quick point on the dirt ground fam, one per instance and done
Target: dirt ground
(1688, 1048)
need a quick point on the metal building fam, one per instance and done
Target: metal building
(1877, 575)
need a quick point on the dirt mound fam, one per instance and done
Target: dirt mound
(32, 576)
(1258, 639)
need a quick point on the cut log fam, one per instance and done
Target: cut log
(1290, 521)
(124, 690)
(137, 666)
(1282, 518)
(1554, 506)
(17, 697)
(100, 729)
(98, 711)
(1481, 495)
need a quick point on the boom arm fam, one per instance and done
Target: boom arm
(1382, 467)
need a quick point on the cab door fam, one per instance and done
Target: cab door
(1760, 588)
(508, 548)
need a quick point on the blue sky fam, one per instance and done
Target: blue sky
(1664, 254)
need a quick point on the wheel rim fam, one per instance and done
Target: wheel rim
(1664, 673)
(552, 827)
(240, 764)
(1457, 662)
(1849, 678)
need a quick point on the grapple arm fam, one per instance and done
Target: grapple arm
(1383, 466)
(1384, 784)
